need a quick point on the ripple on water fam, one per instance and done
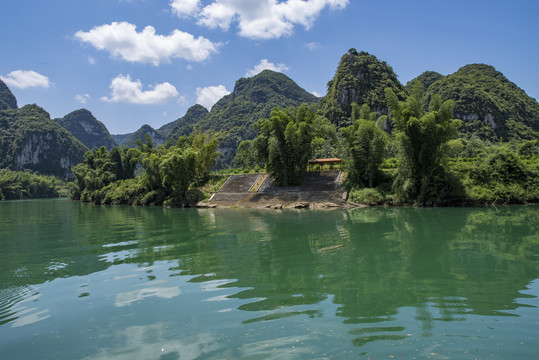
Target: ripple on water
(16, 307)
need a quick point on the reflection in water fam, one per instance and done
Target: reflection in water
(127, 298)
(185, 283)
(146, 342)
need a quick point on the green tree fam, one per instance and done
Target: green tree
(285, 143)
(247, 156)
(178, 170)
(421, 135)
(166, 173)
(205, 145)
(365, 145)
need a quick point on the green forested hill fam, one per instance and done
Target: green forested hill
(426, 79)
(84, 126)
(130, 140)
(29, 139)
(252, 99)
(7, 99)
(165, 129)
(360, 78)
(489, 104)
(185, 124)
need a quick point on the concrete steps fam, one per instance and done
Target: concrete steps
(320, 181)
(239, 183)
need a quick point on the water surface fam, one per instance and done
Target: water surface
(79, 281)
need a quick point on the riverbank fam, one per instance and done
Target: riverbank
(282, 199)
(318, 190)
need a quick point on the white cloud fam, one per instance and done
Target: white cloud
(184, 8)
(23, 79)
(266, 65)
(91, 60)
(208, 96)
(123, 41)
(127, 91)
(316, 94)
(83, 99)
(312, 45)
(182, 100)
(262, 19)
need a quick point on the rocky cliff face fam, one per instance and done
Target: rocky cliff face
(43, 152)
(29, 139)
(84, 126)
(360, 78)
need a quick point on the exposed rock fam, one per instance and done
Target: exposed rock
(29, 139)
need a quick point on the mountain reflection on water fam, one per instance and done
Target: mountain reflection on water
(360, 268)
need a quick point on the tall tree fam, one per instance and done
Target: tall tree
(285, 143)
(421, 134)
(365, 145)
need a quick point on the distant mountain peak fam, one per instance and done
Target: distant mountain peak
(252, 99)
(185, 124)
(85, 127)
(130, 140)
(360, 78)
(489, 105)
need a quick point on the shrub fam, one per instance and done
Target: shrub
(367, 196)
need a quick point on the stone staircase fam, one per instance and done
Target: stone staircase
(239, 183)
(320, 181)
(318, 189)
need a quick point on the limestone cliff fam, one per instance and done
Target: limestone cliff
(29, 139)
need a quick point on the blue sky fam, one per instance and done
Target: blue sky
(135, 62)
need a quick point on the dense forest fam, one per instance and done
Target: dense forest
(147, 175)
(15, 185)
(468, 138)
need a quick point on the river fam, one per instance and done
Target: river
(79, 281)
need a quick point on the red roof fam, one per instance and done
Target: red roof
(330, 160)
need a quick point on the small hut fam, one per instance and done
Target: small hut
(319, 164)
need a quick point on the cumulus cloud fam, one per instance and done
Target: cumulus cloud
(208, 96)
(83, 99)
(184, 8)
(127, 91)
(23, 79)
(262, 19)
(123, 41)
(266, 65)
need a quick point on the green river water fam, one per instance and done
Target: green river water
(79, 281)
